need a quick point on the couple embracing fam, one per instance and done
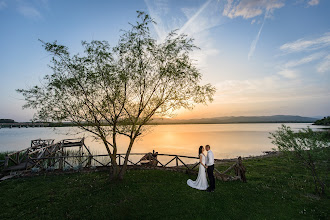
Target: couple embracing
(206, 163)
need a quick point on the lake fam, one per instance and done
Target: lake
(226, 140)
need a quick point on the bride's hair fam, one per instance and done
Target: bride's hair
(200, 150)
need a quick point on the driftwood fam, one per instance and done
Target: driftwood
(149, 159)
(240, 170)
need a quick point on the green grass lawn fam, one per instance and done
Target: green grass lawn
(275, 189)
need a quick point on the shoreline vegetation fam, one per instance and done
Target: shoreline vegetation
(275, 187)
(324, 121)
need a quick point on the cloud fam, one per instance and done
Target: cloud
(196, 22)
(43, 4)
(250, 8)
(313, 2)
(324, 66)
(289, 74)
(235, 86)
(304, 60)
(268, 89)
(3, 5)
(320, 44)
(255, 41)
(199, 22)
(307, 45)
(32, 9)
(194, 17)
(159, 9)
(29, 11)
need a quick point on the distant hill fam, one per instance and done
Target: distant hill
(239, 119)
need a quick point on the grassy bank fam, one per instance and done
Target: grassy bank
(276, 189)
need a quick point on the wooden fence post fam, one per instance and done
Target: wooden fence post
(89, 162)
(61, 164)
(6, 161)
(177, 163)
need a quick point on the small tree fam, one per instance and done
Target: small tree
(309, 147)
(116, 91)
(324, 121)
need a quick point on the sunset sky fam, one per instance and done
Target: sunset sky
(265, 57)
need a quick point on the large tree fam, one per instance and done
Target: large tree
(113, 91)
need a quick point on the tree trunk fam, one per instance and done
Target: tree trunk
(114, 168)
(318, 183)
(124, 167)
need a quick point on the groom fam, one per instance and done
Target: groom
(210, 168)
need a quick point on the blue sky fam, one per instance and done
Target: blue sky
(265, 57)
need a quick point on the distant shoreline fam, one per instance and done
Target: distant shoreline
(198, 121)
(55, 125)
(194, 123)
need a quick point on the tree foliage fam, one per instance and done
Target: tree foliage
(324, 121)
(311, 148)
(123, 87)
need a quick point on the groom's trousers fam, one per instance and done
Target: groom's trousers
(211, 176)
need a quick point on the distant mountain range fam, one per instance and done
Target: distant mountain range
(239, 119)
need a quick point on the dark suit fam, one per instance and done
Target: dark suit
(211, 177)
(210, 168)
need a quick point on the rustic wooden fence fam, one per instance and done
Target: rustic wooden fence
(47, 155)
(85, 161)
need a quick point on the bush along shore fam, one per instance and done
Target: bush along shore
(275, 188)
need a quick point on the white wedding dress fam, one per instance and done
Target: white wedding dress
(201, 181)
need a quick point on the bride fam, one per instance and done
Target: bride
(201, 181)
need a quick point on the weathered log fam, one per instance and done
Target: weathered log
(239, 172)
(240, 169)
(149, 159)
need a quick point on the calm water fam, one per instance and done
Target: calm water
(226, 140)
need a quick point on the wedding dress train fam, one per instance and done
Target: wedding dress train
(201, 181)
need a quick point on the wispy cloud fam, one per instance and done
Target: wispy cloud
(193, 21)
(313, 2)
(319, 46)
(268, 89)
(158, 9)
(194, 17)
(3, 5)
(255, 41)
(307, 45)
(250, 8)
(29, 11)
(324, 66)
(32, 9)
(304, 60)
(43, 4)
(289, 74)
